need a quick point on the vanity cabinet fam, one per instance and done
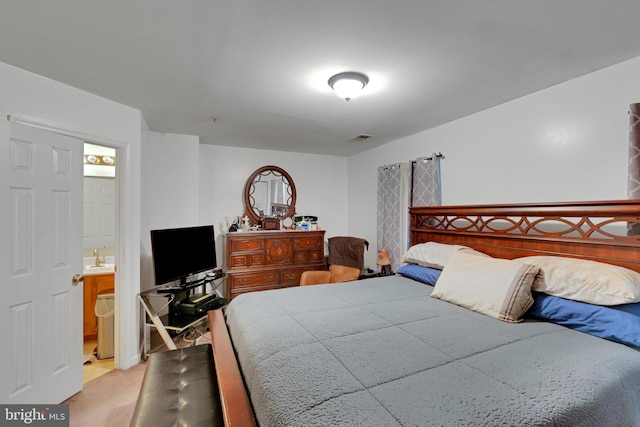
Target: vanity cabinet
(261, 260)
(93, 286)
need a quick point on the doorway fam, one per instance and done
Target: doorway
(99, 231)
(61, 376)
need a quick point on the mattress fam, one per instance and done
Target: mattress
(382, 352)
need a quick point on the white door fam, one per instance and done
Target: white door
(41, 251)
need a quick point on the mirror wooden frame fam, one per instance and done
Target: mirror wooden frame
(249, 190)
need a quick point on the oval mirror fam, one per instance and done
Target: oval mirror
(269, 193)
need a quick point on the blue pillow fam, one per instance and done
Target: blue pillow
(620, 323)
(421, 274)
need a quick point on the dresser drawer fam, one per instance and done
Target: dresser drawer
(316, 256)
(292, 277)
(249, 260)
(247, 280)
(308, 242)
(305, 257)
(247, 245)
(300, 257)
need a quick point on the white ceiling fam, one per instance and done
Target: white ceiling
(262, 67)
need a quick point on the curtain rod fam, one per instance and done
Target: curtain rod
(439, 155)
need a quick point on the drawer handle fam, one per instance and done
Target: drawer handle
(290, 276)
(308, 243)
(242, 281)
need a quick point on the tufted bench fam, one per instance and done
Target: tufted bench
(179, 388)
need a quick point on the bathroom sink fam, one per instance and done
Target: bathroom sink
(101, 269)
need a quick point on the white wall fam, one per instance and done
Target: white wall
(54, 105)
(170, 184)
(565, 143)
(320, 185)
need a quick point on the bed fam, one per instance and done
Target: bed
(385, 351)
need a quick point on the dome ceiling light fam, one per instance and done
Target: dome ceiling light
(348, 85)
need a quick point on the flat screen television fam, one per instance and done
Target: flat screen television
(182, 252)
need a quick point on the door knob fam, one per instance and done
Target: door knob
(77, 278)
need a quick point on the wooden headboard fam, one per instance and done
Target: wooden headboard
(594, 230)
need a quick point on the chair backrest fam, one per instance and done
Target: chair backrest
(347, 251)
(341, 273)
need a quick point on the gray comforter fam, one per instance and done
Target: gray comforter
(381, 352)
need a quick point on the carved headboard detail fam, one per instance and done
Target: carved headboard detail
(594, 230)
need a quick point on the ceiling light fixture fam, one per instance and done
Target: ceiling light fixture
(348, 85)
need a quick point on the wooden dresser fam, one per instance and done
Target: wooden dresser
(260, 260)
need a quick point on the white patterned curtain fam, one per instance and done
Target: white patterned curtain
(393, 200)
(398, 186)
(427, 189)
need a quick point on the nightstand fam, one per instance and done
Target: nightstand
(367, 273)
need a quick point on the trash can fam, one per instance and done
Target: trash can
(104, 312)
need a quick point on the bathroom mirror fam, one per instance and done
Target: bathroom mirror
(269, 192)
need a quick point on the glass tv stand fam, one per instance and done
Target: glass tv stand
(163, 315)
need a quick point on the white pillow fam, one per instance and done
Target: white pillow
(497, 287)
(585, 281)
(432, 254)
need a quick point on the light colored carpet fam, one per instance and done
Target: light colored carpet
(204, 339)
(107, 401)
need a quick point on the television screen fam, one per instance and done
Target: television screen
(181, 252)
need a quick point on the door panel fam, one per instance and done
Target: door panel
(42, 217)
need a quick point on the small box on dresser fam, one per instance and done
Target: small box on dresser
(262, 260)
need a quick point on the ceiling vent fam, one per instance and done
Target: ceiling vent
(360, 137)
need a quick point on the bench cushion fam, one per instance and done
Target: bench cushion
(179, 389)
